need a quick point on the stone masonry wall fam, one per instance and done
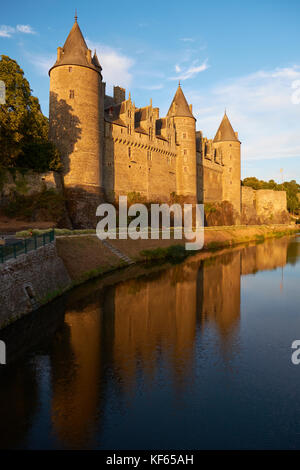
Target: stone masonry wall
(27, 280)
(26, 183)
(263, 206)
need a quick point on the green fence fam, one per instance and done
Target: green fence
(21, 247)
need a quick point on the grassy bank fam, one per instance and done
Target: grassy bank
(85, 256)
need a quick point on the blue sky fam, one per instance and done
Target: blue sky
(239, 55)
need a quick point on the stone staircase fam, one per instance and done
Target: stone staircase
(118, 253)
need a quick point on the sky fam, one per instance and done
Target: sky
(242, 56)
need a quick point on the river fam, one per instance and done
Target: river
(189, 356)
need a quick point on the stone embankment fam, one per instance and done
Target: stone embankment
(36, 278)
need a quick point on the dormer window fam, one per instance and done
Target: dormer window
(71, 94)
(70, 69)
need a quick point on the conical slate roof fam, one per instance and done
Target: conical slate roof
(75, 51)
(225, 131)
(179, 105)
(96, 61)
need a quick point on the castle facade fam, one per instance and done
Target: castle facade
(110, 147)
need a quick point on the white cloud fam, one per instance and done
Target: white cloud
(191, 71)
(260, 107)
(6, 31)
(116, 66)
(25, 28)
(42, 63)
(187, 39)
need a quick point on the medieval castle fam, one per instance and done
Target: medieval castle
(110, 148)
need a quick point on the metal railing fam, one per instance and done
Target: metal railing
(20, 247)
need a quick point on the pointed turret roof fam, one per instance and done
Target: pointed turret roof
(95, 60)
(225, 131)
(179, 105)
(76, 52)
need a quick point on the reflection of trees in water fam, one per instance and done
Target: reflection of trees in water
(293, 251)
(19, 379)
(19, 401)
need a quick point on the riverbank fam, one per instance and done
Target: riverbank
(86, 257)
(36, 278)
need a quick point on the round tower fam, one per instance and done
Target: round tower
(76, 120)
(186, 164)
(227, 144)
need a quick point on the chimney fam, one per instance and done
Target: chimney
(119, 94)
(59, 53)
(89, 56)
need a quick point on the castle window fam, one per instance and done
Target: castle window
(149, 155)
(230, 170)
(70, 69)
(184, 135)
(129, 152)
(71, 95)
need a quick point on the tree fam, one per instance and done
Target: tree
(23, 127)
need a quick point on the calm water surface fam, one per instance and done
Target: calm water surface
(195, 356)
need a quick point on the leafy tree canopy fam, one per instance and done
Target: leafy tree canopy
(23, 127)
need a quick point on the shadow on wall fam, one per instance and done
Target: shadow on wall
(108, 165)
(65, 132)
(65, 129)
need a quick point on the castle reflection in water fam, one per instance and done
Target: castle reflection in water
(107, 336)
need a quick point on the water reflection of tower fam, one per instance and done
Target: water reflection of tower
(155, 319)
(76, 374)
(221, 295)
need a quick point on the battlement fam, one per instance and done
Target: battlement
(118, 148)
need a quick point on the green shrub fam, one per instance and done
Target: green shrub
(46, 205)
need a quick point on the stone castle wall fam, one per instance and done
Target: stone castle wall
(76, 126)
(26, 184)
(28, 279)
(263, 206)
(134, 163)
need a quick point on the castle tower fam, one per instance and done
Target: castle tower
(228, 146)
(186, 165)
(76, 120)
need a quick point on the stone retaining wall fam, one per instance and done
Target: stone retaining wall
(27, 281)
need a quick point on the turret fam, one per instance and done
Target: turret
(186, 166)
(228, 147)
(76, 119)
